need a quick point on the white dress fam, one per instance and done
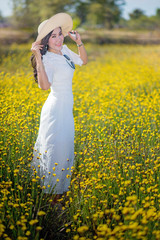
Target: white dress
(54, 147)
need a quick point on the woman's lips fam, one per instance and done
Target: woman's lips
(59, 45)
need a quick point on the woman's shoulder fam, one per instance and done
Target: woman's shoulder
(48, 59)
(48, 56)
(65, 48)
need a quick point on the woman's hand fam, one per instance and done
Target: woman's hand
(36, 47)
(76, 38)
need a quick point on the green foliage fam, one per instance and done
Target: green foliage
(1, 17)
(158, 12)
(144, 22)
(82, 10)
(104, 12)
(95, 14)
(28, 13)
(76, 22)
(90, 13)
(137, 13)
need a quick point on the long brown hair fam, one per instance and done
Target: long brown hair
(43, 51)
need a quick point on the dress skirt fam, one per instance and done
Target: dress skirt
(54, 148)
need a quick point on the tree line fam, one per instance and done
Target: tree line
(29, 13)
(87, 13)
(139, 20)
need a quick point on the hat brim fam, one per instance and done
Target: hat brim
(62, 20)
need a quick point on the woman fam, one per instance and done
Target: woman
(54, 65)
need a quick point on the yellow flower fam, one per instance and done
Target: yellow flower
(76, 237)
(20, 187)
(82, 229)
(41, 213)
(28, 233)
(34, 180)
(11, 227)
(34, 221)
(39, 228)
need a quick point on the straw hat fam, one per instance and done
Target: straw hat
(62, 20)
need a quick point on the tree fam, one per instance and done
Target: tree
(29, 13)
(1, 17)
(137, 13)
(107, 12)
(81, 9)
(158, 12)
(22, 16)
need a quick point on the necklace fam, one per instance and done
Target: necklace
(57, 52)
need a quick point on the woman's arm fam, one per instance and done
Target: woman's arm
(81, 48)
(82, 52)
(41, 74)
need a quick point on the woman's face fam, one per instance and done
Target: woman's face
(56, 39)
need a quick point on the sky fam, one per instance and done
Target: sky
(148, 6)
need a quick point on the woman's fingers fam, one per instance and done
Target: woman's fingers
(36, 46)
(74, 35)
(78, 36)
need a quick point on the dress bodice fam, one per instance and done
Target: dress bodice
(59, 72)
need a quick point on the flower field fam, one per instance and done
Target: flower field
(115, 185)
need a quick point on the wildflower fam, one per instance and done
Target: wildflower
(82, 229)
(39, 228)
(20, 187)
(28, 233)
(34, 180)
(41, 213)
(34, 221)
(150, 213)
(2, 229)
(76, 237)
(11, 227)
